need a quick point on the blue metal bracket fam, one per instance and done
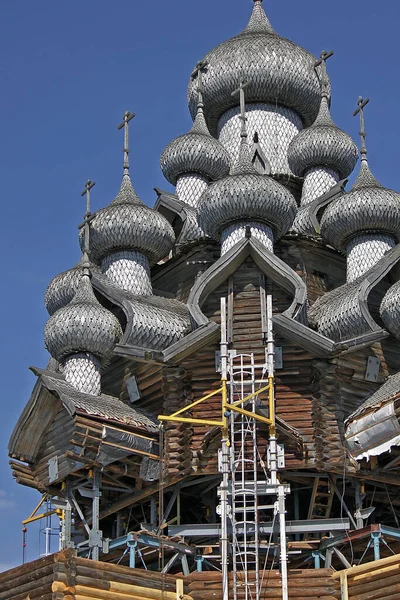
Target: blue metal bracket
(132, 545)
(199, 562)
(376, 536)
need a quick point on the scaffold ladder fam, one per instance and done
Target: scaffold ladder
(244, 480)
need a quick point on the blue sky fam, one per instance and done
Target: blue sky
(69, 70)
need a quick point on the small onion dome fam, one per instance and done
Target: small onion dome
(390, 309)
(280, 72)
(323, 144)
(245, 195)
(127, 223)
(62, 288)
(366, 208)
(82, 326)
(195, 152)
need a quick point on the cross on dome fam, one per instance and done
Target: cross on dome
(324, 76)
(125, 125)
(360, 110)
(86, 249)
(243, 85)
(198, 71)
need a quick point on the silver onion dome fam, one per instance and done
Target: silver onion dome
(323, 144)
(281, 72)
(195, 152)
(82, 326)
(127, 223)
(367, 208)
(246, 195)
(390, 309)
(62, 288)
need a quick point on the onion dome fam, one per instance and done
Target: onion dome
(82, 326)
(322, 144)
(246, 195)
(281, 72)
(195, 152)
(390, 309)
(62, 288)
(367, 208)
(127, 223)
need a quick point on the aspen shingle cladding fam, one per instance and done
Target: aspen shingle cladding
(103, 407)
(388, 391)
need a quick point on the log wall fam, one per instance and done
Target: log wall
(307, 584)
(63, 576)
(293, 382)
(378, 580)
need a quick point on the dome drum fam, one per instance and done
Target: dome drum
(83, 372)
(237, 231)
(190, 187)
(317, 181)
(129, 270)
(364, 251)
(275, 126)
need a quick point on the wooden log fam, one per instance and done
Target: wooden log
(29, 567)
(34, 575)
(103, 567)
(372, 575)
(380, 594)
(40, 593)
(116, 592)
(103, 581)
(370, 567)
(378, 583)
(27, 586)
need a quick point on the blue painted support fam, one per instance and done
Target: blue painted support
(132, 545)
(376, 535)
(199, 563)
(317, 559)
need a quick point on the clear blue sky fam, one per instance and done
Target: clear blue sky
(69, 70)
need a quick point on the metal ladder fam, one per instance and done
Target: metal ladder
(244, 480)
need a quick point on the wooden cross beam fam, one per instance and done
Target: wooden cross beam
(126, 118)
(360, 110)
(198, 71)
(243, 85)
(86, 192)
(324, 77)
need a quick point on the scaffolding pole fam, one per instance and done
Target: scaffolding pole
(225, 459)
(273, 450)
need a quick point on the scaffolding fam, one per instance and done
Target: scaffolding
(247, 400)
(243, 383)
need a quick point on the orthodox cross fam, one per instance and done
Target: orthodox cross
(324, 77)
(86, 192)
(360, 110)
(127, 117)
(198, 71)
(243, 85)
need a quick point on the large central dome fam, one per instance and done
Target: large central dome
(279, 72)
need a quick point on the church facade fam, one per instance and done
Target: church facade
(260, 210)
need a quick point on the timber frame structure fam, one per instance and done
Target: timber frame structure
(129, 434)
